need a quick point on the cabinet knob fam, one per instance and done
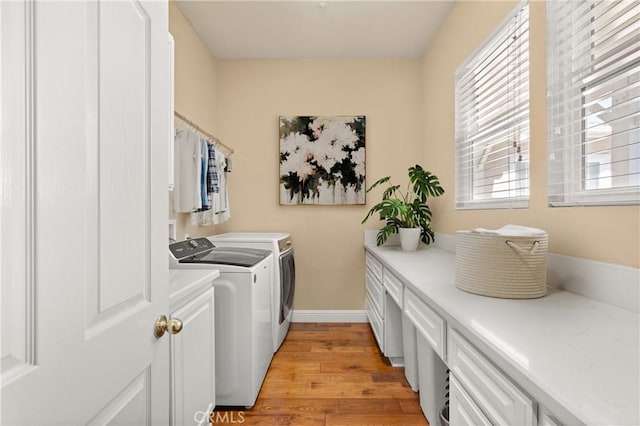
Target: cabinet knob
(174, 326)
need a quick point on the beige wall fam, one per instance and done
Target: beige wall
(410, 117)
(609, 234)
(328, 239)
(194, 94)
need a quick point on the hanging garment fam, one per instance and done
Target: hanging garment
(221, 208)
(213, 181)
(217, 193)
(187, 169)
(204, 161)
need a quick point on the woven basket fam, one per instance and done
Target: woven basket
(511, 267)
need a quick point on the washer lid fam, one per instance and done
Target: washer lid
(249, 236)
(229, 256)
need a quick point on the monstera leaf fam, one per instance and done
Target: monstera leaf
(407, 209)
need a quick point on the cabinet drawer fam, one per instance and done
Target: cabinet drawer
(374, 265)
(500, 399)
(548, 420)
(462, 409)
(376, 291)
(376, 322)
(426, 321)
(393, 286)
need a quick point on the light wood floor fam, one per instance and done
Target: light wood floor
(330, 374)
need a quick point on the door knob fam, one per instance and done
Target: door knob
(162, 325)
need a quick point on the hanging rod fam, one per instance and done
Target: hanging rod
(205, 133)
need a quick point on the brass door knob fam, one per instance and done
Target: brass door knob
(162, 325)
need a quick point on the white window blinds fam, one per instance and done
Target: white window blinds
(593, 59)
(492, 119)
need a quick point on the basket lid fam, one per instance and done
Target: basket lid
(509, 231)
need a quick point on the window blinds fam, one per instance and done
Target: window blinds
(593, 59)
(492, 119)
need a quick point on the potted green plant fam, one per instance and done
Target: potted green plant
(407, 212)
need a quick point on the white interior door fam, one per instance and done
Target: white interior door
(85, 119)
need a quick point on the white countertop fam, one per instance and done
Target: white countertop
(569, 352)
(183, 282)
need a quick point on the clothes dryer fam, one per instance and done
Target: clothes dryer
(284, 273)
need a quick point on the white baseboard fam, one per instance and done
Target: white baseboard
(329, 316)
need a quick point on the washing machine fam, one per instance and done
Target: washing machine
(284, 273)
(243, 331)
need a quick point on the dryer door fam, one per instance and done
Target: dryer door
(287, 283)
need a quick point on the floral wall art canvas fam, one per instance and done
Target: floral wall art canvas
(322, 160)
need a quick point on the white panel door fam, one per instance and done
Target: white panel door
(84, 204)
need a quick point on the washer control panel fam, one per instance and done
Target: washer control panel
(188, 248)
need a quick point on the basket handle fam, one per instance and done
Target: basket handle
(520, 250)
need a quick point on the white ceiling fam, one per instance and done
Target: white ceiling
(315, 29)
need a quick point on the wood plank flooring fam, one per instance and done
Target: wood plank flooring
(330, 374)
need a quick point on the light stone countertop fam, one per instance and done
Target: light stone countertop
(184, 283)
(577, 356)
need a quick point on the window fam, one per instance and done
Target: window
(593, 59)
(492, 119)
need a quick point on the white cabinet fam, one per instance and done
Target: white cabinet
(192, 359)
(393, 285)
(374, 265)
(424, 335)
(462, 410)
(548, 420)
(375, 320)
(498, 398)
(486, 346)
(393, 289)
(376, 291)
(426, 321)
(479, 394)
(375, 299)
(384, 309)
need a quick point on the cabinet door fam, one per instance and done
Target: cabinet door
(374, 265)
(375, 289)
(426, 321)
(193, 360)
(499, 398)
(548, 420)
(462, 409)
(376, 322)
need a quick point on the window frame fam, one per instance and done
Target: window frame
(466, 151)
(569, 171)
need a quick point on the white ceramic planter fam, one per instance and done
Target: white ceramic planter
(409, 238)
